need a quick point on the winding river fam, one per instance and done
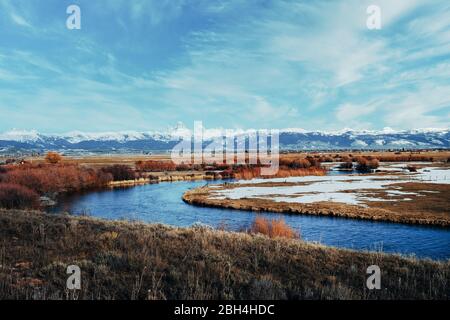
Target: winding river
(161, 203)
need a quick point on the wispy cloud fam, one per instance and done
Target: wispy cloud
(20, 20)
(231, 63)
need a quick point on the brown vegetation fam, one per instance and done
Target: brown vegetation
(366, 164)
(347, 165)
(405, 158)
(119, 172)
(131, 159)
(287, 168)
(14, 196)
(154, 165)
(428, 201)
(53, 158)
(122, 260)
(48, 180)
(275, 228)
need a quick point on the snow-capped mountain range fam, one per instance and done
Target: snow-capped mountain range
(290, 139)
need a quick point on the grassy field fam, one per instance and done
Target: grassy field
(130, 159)
(440, 155)
(121, 260)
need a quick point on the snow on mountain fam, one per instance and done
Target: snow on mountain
(20, 135)
(293, 138)
(122, 136)
(359, 144)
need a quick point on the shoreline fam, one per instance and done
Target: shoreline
(201, 197)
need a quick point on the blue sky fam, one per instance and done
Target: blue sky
(145, 65)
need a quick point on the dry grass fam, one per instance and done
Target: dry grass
(441, 155)
(427, 200)
(131, 159)
(248, 174)
(122, 260)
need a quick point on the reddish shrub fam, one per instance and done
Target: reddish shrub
(246, 172)
(120, 172)
(14, 196)
(221, 166)
(227, 174)
(274, 228)
(153, 165)
(295, 163)
(261, 225)
(346, 165)
(45, 179)
(183, 167)
(53, 158)
(365, 165)
(404, 158)
(314, 161)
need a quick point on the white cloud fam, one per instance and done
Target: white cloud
(348, 111)
(19, 20)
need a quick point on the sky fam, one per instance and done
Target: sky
(145, 65)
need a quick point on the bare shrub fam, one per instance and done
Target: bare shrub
(366, 165)
(154, 165)
(273, 228)
(44, 179)
(120, 172)
(404, 158)
(348, 165)
(53, 157)
(14, 196)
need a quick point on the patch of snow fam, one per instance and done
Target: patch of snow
(401, 142)
(391, 169)
(401, 193)
(78, 136)
(332, 188)
(433, 175)
(405, 164)
(359, 143)
(350, 198)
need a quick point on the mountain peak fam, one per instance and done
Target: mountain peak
(293, 139)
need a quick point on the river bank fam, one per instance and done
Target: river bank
(158, 177)
(122, 260)
(201, 197)
(421, 198)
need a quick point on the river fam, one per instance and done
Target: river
(161, 203)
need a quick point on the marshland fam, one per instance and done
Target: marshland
(144, 228)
